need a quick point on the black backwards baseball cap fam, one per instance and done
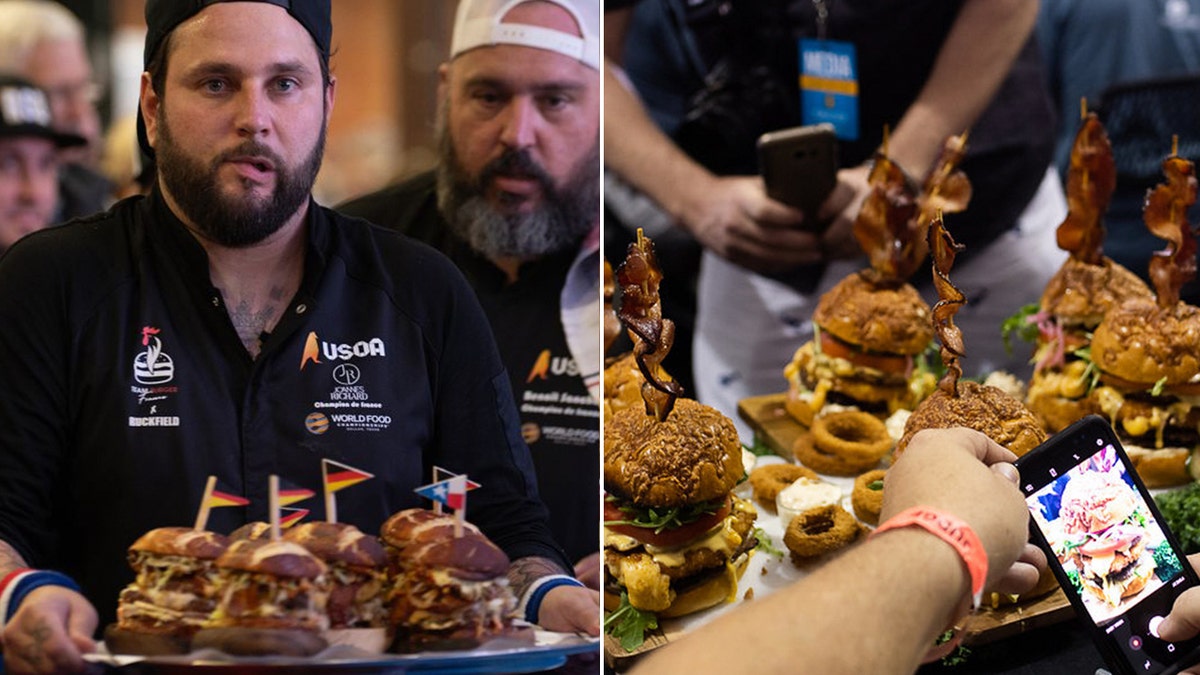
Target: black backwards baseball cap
(25, 111)
(163, 16)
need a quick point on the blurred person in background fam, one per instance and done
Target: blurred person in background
(29, 160)
(44, 42)
(515, 202)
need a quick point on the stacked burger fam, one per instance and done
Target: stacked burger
(675, 539)
(1083, 290)
(173, 595)
(272, 597)
(870, 329)
(1109, 549)
(447, 585)
(1145, 350)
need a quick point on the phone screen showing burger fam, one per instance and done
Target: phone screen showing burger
(1105, 541)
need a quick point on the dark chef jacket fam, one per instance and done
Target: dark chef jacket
(559, 418)
(123, 386)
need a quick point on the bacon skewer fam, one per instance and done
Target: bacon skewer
(950, 299)
(1165, 214)
(653, 336)
(1090, 184)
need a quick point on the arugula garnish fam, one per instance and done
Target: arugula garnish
(956, 657)
(1019, 324)
(628, 624)
(764, 543)
(660, 519)
(1157, 389)
(758, 448)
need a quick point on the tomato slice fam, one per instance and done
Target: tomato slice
(676, 536)
(888, 363)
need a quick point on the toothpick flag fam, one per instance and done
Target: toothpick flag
(292, 516)
(290, 493)
(214, 498)
(452, 492)
(337, 476)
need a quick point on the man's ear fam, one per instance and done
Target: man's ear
(443, 88)
(330, 92)
(149, 103)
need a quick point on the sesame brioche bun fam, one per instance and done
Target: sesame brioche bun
(692, 456)
(1141, 342)
(879, 318)
(1080, 293)
(622, 385)
(984, 408)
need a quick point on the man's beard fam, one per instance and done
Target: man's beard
(559, 223)
(234, 222)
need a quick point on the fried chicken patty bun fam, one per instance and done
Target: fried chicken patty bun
(1150, 385)
(986, 409)
(449, 588)
(675, 539)
(173, 594)
(866, 335)
(1072, 305)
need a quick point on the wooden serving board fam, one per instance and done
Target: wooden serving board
(778, 430)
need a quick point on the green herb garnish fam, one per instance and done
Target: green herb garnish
(875, 485)
(660, 519)
(1020, 325)
(764, 543)
(628, 624)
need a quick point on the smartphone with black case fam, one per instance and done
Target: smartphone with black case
(799, 167)
(1108, 546)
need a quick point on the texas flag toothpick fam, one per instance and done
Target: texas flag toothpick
(450, 491)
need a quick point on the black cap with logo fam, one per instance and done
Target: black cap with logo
(25, 111)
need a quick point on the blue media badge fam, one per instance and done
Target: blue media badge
(829, 85)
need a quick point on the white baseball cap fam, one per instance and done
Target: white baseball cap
(479, 24)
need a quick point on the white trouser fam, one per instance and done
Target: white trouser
(748, 326)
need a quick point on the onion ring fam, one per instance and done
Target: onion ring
(867, 501)
(808, 454)
(852, 434)
(819, 531)
(767, 481)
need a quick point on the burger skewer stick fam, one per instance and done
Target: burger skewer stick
(205, 504)
(273, 505)
(943, 249)
(653, 336)
(1165, 215)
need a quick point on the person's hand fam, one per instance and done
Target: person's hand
(571, 609)
(1184, 620)
(841, 209)
(588, 570)
(734, 218)
(51, 629)
(963, 472)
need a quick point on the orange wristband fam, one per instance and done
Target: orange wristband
(953, 531)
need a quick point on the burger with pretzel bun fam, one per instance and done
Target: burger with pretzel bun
(675, 539)
(272, 596)
(173, 595)
(356, 574)
(449, 588)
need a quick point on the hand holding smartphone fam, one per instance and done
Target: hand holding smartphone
(799, 167)
(1107, 545)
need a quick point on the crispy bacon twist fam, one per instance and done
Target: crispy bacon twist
(1090, 184)
(950, 299)
(641, 312)
(1165, 214)
(892, 223)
